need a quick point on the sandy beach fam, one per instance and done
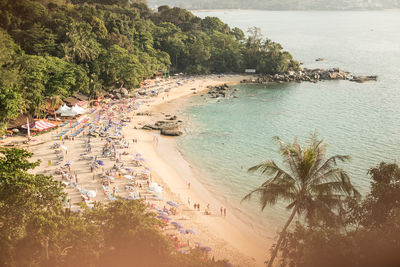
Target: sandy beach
(160, 161)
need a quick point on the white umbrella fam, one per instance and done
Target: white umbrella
(64, 147)
(63, 109)
(128, 176)
(78, 110)
(158, 189)
(92, 193)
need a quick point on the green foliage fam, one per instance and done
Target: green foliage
(368, 235)
(36, 230)
(10, 98)
(22, 197)
(311, 185)
(52, 48)
(266, 56)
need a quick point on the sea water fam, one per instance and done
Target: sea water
(224, 138)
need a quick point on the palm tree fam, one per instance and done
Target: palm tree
(313, 185)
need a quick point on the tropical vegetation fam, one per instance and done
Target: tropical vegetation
(38, 229)
(313, 186)
(367, 235)
(54, 48)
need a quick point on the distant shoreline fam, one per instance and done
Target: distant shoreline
(299, 10)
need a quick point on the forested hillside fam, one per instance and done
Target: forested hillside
(55, 49)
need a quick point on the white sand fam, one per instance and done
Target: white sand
(228, 237)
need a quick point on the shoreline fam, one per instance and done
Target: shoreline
(296, 10)
(171, 167)
(229, 237)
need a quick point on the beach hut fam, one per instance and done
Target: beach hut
(19, 121)
(71, 101)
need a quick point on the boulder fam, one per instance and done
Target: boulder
(171, 132)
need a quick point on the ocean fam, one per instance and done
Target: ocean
(225, 138)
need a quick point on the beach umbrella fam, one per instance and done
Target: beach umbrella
(140, 159)
(162, 213)
(205, 249)
(100, 162)
(108, 139)
(177, 225)
(164, 217)
(110, 178)
(91, 193)
(190, 231)
(182, 231)
(64, 147)
(158, 189)
(173, 204)
(128, 176)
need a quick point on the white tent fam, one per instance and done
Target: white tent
(78, 110)
(63, 109)
(69, 113)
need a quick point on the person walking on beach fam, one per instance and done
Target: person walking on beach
(194, 206)
(189, 201)
(198, 206)
(221, 210)
(189, 185)
(224, 212)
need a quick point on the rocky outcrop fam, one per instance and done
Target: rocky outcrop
(310, 75)
(143, 114)
(120, 93)
(362, 79)
(171, 132)
(220, 91)
(169, 128)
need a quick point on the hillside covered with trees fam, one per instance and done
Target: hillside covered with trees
(53, 49)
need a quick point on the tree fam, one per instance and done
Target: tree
(11, 101)
(22, 196)
(82, 45)
(313, 185)
(118, 66)
(368, 236)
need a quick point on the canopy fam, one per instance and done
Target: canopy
(40, 125)
(63, 109)
(78, 110)
(171, 203)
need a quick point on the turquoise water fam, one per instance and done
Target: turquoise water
(361, 120)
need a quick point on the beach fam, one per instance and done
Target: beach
(226, 236)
